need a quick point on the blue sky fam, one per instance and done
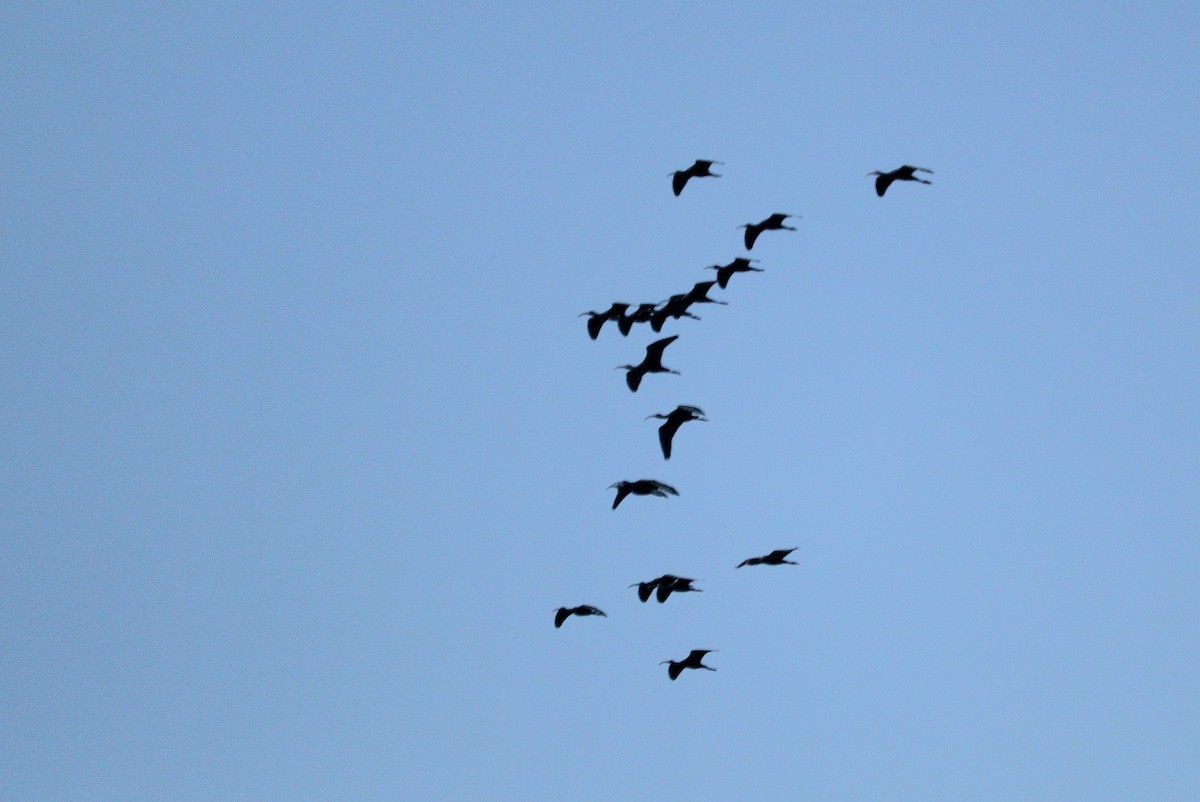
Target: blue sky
(306, 442)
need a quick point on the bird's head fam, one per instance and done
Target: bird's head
(625, 367)
(873, 172)
(660, 417)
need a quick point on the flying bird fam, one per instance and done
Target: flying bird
(676, 306)
(643, 314)
(675, 667)
(777, 557)
(598, 319)
(642, 487)
(701, 169)
(698, 294)
(646, 588)
(905, 173)
(651, 363)
(674, 419)
(563, 613)
(772, 223)
(668, 584)
(739, 265)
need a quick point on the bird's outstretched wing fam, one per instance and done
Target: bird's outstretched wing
(882, 183)
(633, 378)
(698, 654)
(666, 488)
(674, 669)
(646, 588)
(593, 325)
(655, 349)
(780, 554)
(752, 232)
(622, 492)
(562, 615)
(666, 433)
(679, 180)
(664, 590)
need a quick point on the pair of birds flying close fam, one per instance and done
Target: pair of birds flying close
(664, 586)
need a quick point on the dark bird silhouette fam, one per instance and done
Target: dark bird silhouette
(674, 419)
(668, 584)
(701, 169)
(739, 265)
(642, 487)
(598, 319)
(777, 557)
(698, 294)
(905, 173)
(651, 363)
(676, 306)
(646, 588)
(643, 314)
(676, 667)
(772, 223)
(563, 613)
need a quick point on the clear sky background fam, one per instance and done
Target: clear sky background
(303, 441)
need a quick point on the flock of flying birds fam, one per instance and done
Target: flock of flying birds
(656, 314)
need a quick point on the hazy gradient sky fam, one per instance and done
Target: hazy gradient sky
(304, 441)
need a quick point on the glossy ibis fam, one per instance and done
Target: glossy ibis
(642, 487)
(674, 419)
(675, 667)
(563, 613)
(905, 173)
(676, 306)
(646, 588)
(668, 584)
(698, 294)
(701, 169)
(772, 223)
(777, 557)
(651, 363)
(643, 314)
(739, 265)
